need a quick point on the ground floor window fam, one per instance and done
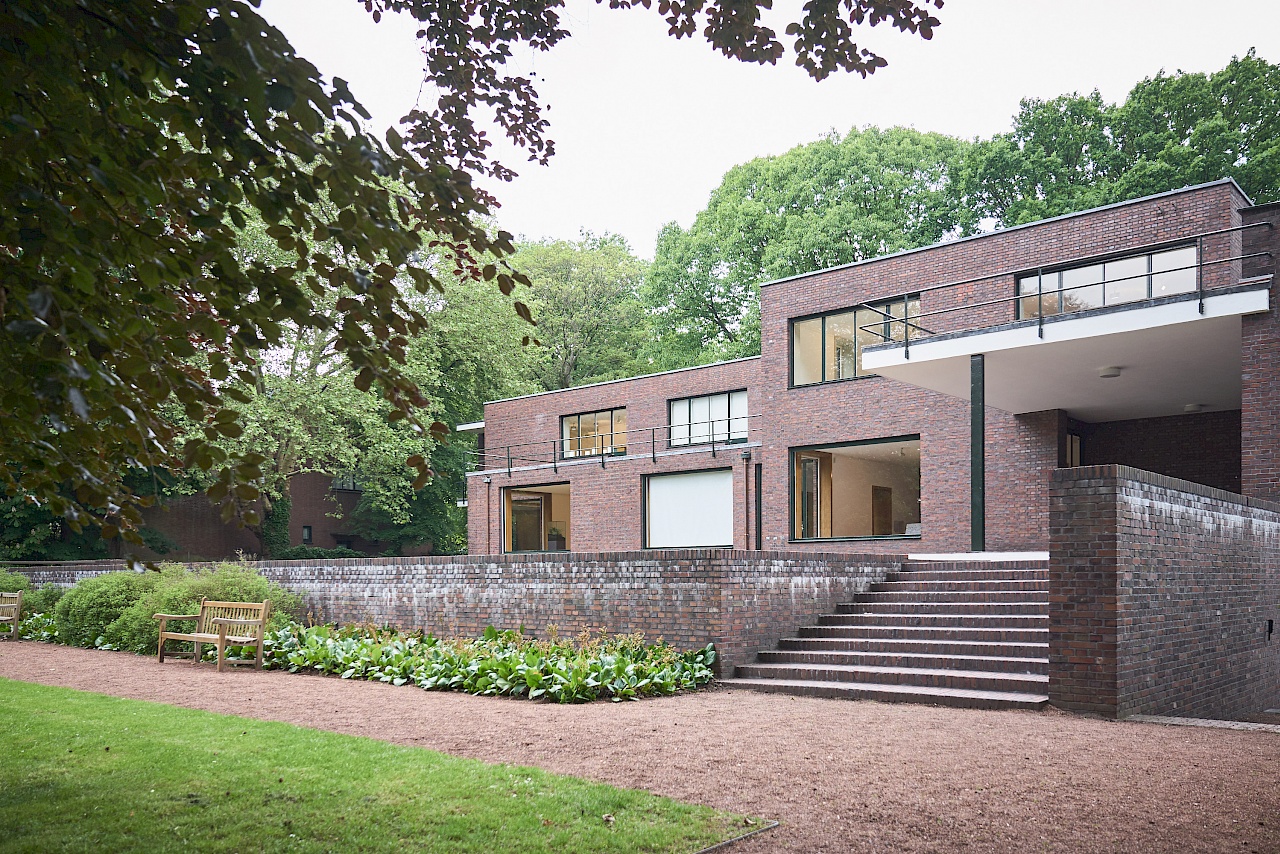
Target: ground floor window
(863, 489)
(536, 518)
(689, 510)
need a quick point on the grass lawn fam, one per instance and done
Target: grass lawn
(87, 772)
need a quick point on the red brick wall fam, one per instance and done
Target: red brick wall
(1260, 393)
(1202, 448)
(1159, 595)
(197, 528)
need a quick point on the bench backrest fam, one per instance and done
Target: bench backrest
(11, 607)
(209, 611)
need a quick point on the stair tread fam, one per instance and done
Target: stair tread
(849, 688)
(926, 642)
(949, 656)
(905, 671)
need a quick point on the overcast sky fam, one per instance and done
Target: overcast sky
(646, 126)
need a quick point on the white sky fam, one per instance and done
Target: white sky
(646, 126)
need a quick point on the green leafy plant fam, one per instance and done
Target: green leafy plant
(619, 667)
(87, 609)
(43, 600)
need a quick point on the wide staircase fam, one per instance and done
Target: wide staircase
(971, 633)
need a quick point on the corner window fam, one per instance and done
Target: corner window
(709, 418)
(828, 348)
(1122, 280)
(864, 489)
(603, 432)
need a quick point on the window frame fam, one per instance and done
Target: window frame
(822, 337)
(792, 525)
(562, 442)
(690, 442)
(1101, 260)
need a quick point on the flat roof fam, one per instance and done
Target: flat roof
(1000, 231)
(624, 379)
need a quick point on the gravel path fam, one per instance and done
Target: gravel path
(839, 775)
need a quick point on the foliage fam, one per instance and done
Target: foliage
(39, 626)
(1077, 151)
(32, 531)
(585, 294)
(506, 663)
(831, 202)
(12, 582)
(316, 553)
(43, 600)
(275, 527)
(178, 590)
(116, 610)
(216, 782)
(139, 137)
(85, 612)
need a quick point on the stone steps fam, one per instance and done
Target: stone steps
(962, 634)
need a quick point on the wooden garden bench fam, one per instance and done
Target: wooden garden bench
(215, 624)
(11, 612)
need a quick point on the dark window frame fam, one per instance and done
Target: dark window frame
(791, 490)
(1058, 269)
(689, 399)
(563, 443)
(822, 335)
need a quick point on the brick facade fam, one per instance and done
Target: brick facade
(1260, 368)
(740, 601)
(1160, 595)
(1021, 450)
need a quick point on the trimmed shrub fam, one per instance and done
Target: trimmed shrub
(179, 590)
(12, 582)
(42, 601)
(85, 611)
(315, 553)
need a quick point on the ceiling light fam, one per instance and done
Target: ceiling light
(1109, 373)
(1193, 407)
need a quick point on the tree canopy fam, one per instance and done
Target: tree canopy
(139, 137)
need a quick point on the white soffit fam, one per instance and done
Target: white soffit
(1169, 356)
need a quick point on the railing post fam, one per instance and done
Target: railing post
(906, 329)
(653, 444)
(508, 461)
(1200, 271)
(555, 462)
(1040, 300)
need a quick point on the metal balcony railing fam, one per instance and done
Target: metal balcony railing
(915, 332)
(711, 435)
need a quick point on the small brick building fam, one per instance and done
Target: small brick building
(1139, 334)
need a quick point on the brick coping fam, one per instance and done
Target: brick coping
(1119, 472)
(1169, 720)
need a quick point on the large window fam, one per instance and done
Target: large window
(829, 348)
(867, 489)
(1130, 279)
(709, 418)
(602, 432)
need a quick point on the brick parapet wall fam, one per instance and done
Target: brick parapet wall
(1160, 593)
(741, 601)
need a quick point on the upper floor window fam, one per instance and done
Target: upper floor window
(603, 432)
(709, 418)
(829, 347)
(1129, 279)
(347, 481)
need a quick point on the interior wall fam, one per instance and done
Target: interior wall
(560, 516)
(852, 479)
(1202, 447)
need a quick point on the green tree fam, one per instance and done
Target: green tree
(138, 135)
(585, 294)
(1173, 130)
(833, 201)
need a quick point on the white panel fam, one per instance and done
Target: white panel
(720, 417)
(738, 408)
(680, 422)
(700, 420)
(690, 510)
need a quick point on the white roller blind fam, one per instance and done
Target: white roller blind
(690, 510)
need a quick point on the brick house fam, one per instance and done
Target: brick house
(1137, 334)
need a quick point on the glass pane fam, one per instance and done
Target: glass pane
(620, 430)
(699, 418)
(569, 432)
(806, 352)
(842, 348)
(806, 478)
(1076, 297)
(875, 489)
(895, 309)
(1167, 277)
(913, 314)
(1029, 306)
(587, 432)
(738, 412)
(680, 422)
(720, 417)
(869, 332)
(1126, 280)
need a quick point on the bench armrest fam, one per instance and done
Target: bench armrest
(227, 621)
(176, 617)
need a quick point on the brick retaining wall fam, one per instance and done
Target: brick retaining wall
(1160, 592)
(742, 601)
